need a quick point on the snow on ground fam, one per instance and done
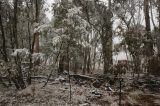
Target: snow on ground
(57, 94)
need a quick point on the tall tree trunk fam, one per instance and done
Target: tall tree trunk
(107, 52)
(149, 45)
(84, 62)
(88, 61)
(106, 39)
(94, 57)
(3, 36)
(99, 62)
(159, 13)
(88, 64)
(29, 80)
(36, 35)
(137, 63)
(67, 57)
(17, 60)
(75, 65)
(11, 33)
(152, 18)
(146, 13)
(36, 42)
(15, 24)
(158, 36)
(61, 65)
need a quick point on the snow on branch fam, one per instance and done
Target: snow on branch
(41, 28)
(60, 30)
(37, 56)
(86, 44)
(73, 11)
(56, 40)
(21, 52)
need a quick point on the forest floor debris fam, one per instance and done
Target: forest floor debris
(57, 94)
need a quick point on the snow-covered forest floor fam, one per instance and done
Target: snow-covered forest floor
(57, 93)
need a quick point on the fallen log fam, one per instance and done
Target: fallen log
(85, 77)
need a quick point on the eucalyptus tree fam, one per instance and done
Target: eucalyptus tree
(149, 39)
(4, 51)
(158, 37)
(99, 16)
(132, 31)
(17, 23)
(73, 33)
(134, 38)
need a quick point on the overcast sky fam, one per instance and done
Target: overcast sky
(49, 13)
